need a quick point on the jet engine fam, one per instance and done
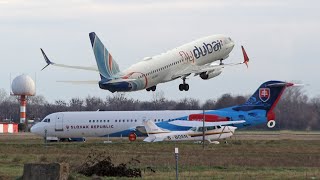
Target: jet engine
(210, 74)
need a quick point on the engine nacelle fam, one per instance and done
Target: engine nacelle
(212, 74)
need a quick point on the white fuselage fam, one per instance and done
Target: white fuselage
(99, 123)
(165, 67)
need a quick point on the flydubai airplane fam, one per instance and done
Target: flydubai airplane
(257, 110)
(210, 130)
(197, 57)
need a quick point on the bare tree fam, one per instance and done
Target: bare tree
(76, 104)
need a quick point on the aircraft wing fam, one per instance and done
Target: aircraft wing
(112, 81)
(206, 124)
(65, 66)
(209, 67)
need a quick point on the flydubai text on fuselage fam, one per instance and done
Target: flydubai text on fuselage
(180, 61)
(196, 58)
(257, 110)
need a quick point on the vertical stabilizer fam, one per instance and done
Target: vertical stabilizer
(266, 96)
(108, 68)
(152, 128)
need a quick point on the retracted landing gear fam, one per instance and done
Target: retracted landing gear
(184, 86)
(152, 88)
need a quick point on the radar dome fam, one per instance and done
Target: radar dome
(23, 85)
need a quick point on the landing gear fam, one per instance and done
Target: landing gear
(184, 86)
(221, 63)
(153, 88)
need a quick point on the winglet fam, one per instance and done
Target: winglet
(92, 36)
(245, 56)
(46, 59)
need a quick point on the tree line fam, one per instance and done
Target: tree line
(295, 110)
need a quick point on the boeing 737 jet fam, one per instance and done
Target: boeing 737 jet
(197, 57)
(257, 110)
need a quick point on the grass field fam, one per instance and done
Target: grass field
(287, 155)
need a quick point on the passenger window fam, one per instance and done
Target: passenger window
(115, 120)
(104, 120)
(135, 120)
(108, 120)
(90, 121)
(93, 121)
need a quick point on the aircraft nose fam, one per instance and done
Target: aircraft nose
(35, 129)
(32, 129)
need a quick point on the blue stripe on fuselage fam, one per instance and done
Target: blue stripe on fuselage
(252, 118)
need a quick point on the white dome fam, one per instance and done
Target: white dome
(23, 85)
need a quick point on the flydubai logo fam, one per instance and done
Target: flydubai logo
(264, 94)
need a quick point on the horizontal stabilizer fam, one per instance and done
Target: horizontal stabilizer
(206, 124)
(118, 81)
(80, 82)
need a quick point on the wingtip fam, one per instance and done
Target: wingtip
(46, 59)
(245, 56)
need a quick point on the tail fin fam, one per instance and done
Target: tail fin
(152, 128)
(266, 96)
(107, 66)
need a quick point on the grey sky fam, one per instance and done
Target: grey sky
(281, 39)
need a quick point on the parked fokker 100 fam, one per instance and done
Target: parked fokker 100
(197, 57)
(257, 110)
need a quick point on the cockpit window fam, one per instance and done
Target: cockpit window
(200, 129)
(46, 120)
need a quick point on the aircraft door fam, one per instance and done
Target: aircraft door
(59, 122)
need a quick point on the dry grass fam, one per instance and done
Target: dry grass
(240, 159)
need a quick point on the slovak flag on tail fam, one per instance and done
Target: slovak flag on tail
(266, 96)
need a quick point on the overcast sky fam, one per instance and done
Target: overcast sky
(281, 38)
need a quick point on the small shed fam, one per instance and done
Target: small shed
(8, 127)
